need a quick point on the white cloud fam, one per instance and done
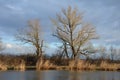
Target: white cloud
(9, 46)
(110, 40)
(17, 48)
(15, 9)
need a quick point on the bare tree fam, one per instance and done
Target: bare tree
(70, 29)
(1, 45)
(112, 52)
(118, 54)
(63, 50)
(103, 52)
(32, 34)
(88, 49)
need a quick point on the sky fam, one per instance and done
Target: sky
(14, 15)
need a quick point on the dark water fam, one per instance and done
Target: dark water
(59, 75)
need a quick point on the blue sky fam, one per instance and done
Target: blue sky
(14, 14)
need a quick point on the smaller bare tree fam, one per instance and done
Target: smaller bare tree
(112, 53)
(1, 45)
(103, 52)
(88, 50)
(32, 35)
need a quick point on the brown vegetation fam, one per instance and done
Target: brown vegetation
(46, 64)
(21, 63)
(3, 66)
(87, 65)
(11, 62)
(109, 66)
(81, 65)
(20, 66)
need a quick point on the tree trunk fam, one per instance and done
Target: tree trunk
(65, 49)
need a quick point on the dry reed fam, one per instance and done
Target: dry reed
(84, 65)
(41, 64)
(109, 66)
(20, 66)
(3, 66)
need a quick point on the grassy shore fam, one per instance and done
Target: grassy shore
(22, 63)
(80, 65)
(86, 65)
(12, 63)
(20, 66)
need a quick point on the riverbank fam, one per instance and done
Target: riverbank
(80, 66)
(27, 62)
(66, 68)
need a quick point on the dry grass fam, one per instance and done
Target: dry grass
(20, 66)
(18, 63)
(109, 66)
(3, 66)
(81, 65)
(84, 65)
(41, 64)
(47, 64)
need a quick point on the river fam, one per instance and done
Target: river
(59, 75)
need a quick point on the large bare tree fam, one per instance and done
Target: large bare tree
(32, 34)
(72, 31)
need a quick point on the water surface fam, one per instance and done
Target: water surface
(59, 75)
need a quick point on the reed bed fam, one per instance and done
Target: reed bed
(3, 66)
(81, 65)
(17, 64)
(44, 64)
(109, 66)
(20, 66)
(84, 65)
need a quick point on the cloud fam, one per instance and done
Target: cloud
(9, 46)
(17, 48)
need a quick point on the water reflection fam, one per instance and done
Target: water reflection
(59, 75)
